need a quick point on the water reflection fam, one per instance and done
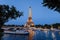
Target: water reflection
(47, 35)
(15, 37)
(37, 35)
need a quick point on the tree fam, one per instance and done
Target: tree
(56, 25)
(7, 13)
(47, 26)
(52, 4)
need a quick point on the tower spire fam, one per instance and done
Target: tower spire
(30, 11)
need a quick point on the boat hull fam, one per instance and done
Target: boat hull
(16, 33)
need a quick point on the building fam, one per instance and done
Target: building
(29, 22)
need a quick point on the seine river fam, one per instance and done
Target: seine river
(38, 35)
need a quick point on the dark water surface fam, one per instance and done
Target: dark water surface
(38, 35)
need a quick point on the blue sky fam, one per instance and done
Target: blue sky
(40, 14)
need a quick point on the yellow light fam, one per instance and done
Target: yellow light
(32, 24)
(30, 20)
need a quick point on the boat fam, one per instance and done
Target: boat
(19, 32)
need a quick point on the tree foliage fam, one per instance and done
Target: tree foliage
(52, 4)
(7, 13)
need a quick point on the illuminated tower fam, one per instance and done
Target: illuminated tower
(29, 22)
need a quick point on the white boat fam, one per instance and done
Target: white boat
(23, 32)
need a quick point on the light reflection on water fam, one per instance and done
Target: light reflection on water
(38, 35)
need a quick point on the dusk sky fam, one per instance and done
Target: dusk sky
(40, 14)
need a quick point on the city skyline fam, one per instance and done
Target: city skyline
(40, 14)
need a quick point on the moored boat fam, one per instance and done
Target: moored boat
(22, 32)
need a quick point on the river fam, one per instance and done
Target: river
(38, 35)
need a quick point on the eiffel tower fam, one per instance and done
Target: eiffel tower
(29, 22)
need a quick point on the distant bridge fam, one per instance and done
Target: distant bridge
(4, 27)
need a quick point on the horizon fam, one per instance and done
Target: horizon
(40, 15)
